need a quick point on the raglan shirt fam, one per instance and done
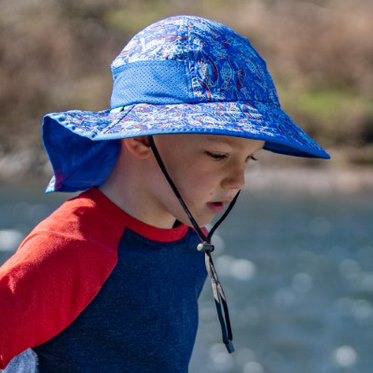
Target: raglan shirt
(93, 289)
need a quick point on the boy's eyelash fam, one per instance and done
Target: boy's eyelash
(223, 156)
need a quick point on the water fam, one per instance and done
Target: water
(297, 272)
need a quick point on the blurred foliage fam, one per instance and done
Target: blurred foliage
(337, 117)
(55, 55)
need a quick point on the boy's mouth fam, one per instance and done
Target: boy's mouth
(216, 206)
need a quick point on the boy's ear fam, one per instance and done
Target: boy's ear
(139, 147)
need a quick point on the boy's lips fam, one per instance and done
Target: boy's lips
(217, 206)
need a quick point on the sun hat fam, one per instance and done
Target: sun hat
(181, 75)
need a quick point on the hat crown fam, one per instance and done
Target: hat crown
(222, 65)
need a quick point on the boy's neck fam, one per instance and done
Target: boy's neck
(130, 204)
(128, 187)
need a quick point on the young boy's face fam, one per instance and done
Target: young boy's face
(206, 169)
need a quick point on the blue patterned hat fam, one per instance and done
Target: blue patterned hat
(180, 75)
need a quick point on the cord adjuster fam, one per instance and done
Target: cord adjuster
(205, 247)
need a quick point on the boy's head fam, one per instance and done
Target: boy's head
(205, 169)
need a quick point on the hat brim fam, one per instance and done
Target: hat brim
(257, 121)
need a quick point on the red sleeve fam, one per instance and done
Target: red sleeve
(45, 285)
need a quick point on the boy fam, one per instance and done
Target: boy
(110, 281)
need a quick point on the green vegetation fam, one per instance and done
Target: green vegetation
(338, 117)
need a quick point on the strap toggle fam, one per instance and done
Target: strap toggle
(206, 247)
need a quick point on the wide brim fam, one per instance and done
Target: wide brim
(81, 135)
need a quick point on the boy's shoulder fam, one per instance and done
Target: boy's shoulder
(76, 242)
(81, 218)
(76, 236)
(56, 272)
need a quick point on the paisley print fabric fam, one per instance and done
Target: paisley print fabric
(223, 65)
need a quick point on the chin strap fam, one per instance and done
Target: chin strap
(206, 247)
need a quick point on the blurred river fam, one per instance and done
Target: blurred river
(297, 271)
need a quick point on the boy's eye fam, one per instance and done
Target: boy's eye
(218, 156)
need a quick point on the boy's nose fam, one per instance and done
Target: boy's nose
(235, 179)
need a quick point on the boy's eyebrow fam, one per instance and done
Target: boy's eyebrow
(227, 141)
(215, 139)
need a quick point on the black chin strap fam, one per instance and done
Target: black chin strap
(207, 248)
